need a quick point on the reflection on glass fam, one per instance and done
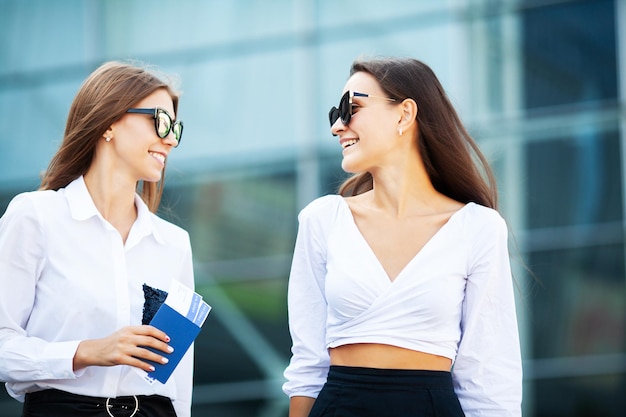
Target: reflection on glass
(569, 53)
(601, 396)
(574, 180)
(581, 307)
(242, 229)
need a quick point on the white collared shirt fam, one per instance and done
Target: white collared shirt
(453, 299)
(66, 276)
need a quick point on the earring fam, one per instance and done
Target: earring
(400, 131)
(107, 138)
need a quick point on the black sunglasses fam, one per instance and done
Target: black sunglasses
(163, 123)
(345, 107)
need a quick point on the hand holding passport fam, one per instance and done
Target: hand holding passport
(180, 316)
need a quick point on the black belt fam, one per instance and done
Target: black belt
(54, 400)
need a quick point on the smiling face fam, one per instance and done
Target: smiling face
(140, 153)
(369, 137)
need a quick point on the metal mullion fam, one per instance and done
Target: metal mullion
(620, 28)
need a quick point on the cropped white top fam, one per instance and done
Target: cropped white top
(453, 299)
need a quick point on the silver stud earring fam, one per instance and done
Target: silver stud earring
(107, 138)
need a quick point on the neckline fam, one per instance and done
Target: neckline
(413, 259)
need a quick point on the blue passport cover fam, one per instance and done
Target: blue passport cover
(182, 333)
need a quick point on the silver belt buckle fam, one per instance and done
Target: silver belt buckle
(109, 406)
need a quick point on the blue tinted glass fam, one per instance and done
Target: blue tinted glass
(569, 53)
(574, 180)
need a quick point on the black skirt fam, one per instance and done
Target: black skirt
(56, 403)
(368, 392)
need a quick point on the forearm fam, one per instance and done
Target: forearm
(300, 406)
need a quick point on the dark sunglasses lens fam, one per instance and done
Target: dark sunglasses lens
(333, 115)
(345, 112)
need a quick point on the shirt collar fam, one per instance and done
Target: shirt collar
(79, 200)
(82, 207)
(145, 223)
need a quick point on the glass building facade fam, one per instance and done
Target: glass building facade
(541, 85)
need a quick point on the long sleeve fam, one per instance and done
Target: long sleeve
(308, 369)
(487, 372)
(67, 276)
(22, 256)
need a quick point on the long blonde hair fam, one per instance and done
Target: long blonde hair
(103, 98)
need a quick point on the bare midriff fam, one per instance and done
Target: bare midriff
(372, 355)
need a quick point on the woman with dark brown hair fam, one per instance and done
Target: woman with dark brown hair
(400, 294)
(77, 256)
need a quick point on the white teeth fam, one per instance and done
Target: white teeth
(158, 156)
(349, 143)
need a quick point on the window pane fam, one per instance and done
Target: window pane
(331, 173)
(573, 181)
(242, 227)
(569, 52)
(248, 215)
(580, 397)
(580, 307)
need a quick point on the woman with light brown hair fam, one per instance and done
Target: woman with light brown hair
(78, 255)
(400, 294)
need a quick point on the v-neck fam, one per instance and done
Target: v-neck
(413, 259)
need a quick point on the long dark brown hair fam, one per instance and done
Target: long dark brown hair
(103, 99)
(454, 163)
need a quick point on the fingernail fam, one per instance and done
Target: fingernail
(165, 360)
(151, 368)
(170, 349)
(167, 338)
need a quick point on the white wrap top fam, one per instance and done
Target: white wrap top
(454, 299)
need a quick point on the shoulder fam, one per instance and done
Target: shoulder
(30, 213)
(479, 217)
(170, 232)
(37, 197)
(32, 201)
(321, 207)
(318, 217)
(485, 229)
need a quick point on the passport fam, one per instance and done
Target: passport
(181, 317)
